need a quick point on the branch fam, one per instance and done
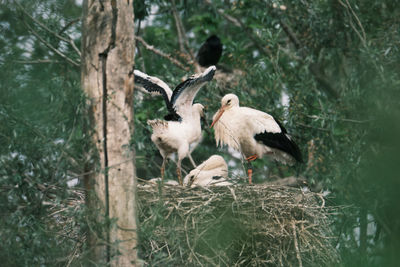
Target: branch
(363, 36)
(39, 61)
(58, 52)
(315, 117)
(311, 127)
(183, 39)
(291, 35)
(69, 24)
(178, 28)
(248, 31)
(296, 245)
(314, 68)
(160, 53)
(67, 40)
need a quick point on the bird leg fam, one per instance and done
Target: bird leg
(163, 169)
(192, 161)
(250, 169)
(178, 172)
(250, 173)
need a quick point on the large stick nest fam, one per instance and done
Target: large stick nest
(238, 225)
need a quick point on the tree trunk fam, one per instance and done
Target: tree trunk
(107, 78)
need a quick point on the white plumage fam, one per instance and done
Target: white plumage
(181, 126)
(213, 171)
(253, 133)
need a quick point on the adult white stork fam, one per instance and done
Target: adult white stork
(181, 126)
(254, 133)
(213, 171)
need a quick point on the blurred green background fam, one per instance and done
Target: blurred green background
(329, 70)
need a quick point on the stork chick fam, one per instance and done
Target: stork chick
(213, 171)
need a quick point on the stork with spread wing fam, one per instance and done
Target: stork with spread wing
(181, 126)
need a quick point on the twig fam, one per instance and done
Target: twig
(291, 34)
(188, 241)
(178, 28)
(182, 30)
(314, 68)
(361, 35)
(38, 61)
(296, 245)
(139, 51)
(58, 52)
(69, 24)
(67, 40)
(345, 120)
(248, 31)
(308, 126)
(161, 53)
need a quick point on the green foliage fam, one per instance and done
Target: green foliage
(348, 136)
(344, 127)
(42, 115)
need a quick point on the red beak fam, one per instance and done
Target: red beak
(219, 114)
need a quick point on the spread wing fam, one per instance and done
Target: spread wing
(184, 94)
(157, 86)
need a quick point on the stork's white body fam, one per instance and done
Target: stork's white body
(176, 136)
(212, 172)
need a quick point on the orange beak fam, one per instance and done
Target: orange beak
(219, 114)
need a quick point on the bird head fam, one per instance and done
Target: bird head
(227, 102)
(199, 109)
(214, 40)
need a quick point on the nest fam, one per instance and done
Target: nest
(239, 225)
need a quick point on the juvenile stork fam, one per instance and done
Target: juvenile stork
(181, 126)
(213, 171)
(253, 133)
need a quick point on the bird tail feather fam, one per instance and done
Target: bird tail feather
(158, 126)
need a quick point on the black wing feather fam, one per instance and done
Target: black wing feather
(152, 87)
(179, 89)
(280, 141)
(189, 82)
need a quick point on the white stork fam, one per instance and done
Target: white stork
(253, 133)
(213, 171)
(181, 126)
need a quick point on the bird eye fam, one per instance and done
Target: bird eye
(229, 101)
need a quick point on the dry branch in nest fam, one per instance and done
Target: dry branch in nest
(238, 225)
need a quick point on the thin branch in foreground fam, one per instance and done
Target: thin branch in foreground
(38, 61)
(361, 35)
(161, 53)
(178, 28)
(181, 28)
(296, 245)
(67, 40)
(58, 52)
(69, 24)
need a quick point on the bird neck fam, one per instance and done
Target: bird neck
(195, 121)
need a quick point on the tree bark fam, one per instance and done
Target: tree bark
(107, 61)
